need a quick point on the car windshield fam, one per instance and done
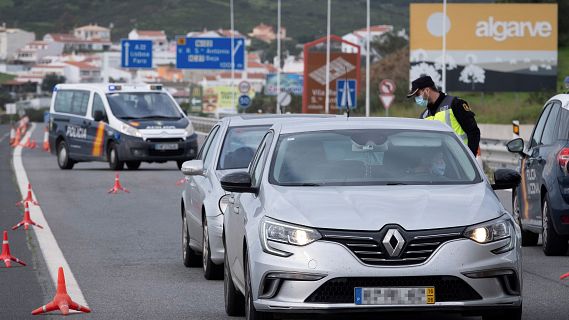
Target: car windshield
(143, 105)
(239, 146)
(371, 157)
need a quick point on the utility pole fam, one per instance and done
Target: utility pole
(368, 53)
(327, 100)
(278, 54)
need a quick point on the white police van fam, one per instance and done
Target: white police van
(118, 123)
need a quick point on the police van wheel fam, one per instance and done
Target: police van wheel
(63, 159)
(133, 165)
(114, 162)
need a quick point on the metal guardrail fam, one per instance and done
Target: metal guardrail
(493, 151)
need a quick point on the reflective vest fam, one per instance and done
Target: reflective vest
(445, 115)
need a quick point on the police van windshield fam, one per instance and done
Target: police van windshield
(239, 146)
(371, 157)
(143, 105)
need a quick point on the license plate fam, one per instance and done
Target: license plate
(166, 146)
(394, 296)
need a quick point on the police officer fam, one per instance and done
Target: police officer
(453, 111)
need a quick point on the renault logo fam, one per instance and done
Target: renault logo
(393, 242)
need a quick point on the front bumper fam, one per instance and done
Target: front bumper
(335, 261)
(133, 148)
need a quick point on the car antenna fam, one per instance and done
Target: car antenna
(346, 85)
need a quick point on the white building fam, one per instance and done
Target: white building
(92, 32)
(359, 37)
(71, 43)
(36, 50)
(158, 37)
(12, 40)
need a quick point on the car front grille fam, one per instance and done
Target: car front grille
(341, 290)
(369, 248)
(164, 140)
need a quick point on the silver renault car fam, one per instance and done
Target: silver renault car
(230, 146)
(379, 214)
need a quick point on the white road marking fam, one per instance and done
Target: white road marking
(4, 136)
(48, 245)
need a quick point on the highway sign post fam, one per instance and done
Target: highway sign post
(346, 94)
(136, 54)
(209, 53)
(386, 93)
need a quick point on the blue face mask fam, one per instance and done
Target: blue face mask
(421, 102)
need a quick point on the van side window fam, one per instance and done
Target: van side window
(538, 130)
(72, 101)
(98, 105)
(549, 133)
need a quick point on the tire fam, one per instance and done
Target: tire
(113, 157)
(250, 312)
(234, 300)
(529, 238)
(211, 271)
(553, 244)
(63, 160)
(190, 258)
(133, 165)
(508, 314)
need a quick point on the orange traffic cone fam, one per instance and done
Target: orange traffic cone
(181, 181)
(564, 276)
(27, 221)
(62, 300)
(29, 197)
(5, 255)
(46, 140)
(117, 187)
(30, 143)
(17, 139)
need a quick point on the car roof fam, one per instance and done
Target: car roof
(111, 87)
(364, 123)
(270, 119)
(563, 97)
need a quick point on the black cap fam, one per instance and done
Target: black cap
(420, 83)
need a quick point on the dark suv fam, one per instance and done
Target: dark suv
(541, 202)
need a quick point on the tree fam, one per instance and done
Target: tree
(50, 81)
(388, 43)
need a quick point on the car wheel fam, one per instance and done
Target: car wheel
(250, 312)
(509, 314)
(133, 165)
(190, 258)
(234, 300)
(211, 271)
(63, 159)
(553, 244)
(528, 238)
(113, 155)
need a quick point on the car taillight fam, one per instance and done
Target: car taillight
(563, 158)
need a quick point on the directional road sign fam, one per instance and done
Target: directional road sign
(244, 101)
(209, 53)
(136, 53)
(346, 97)
(386, 89)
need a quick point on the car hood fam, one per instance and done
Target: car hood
(372, 207)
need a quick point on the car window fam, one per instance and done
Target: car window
(563, 132)
(207, 142)
(98, 105)
(141, 105)
(239, 146)
(258, 163)
(371, 157)
(208, 157)
(538, 130)
(549, 135)
(72, 101)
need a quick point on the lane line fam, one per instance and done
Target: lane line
(50, 250)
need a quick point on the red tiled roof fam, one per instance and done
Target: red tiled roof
(151, 33)
(82, 65)
(378, 28)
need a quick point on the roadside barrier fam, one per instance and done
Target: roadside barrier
(62, 300)
(117, 187)
(28, 198)
(46, 139)
(27, 221)
(5, 255)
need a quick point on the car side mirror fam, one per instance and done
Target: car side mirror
(506, 179)
(98, 115)
(239, 182)
(516, 145)
(193, 168)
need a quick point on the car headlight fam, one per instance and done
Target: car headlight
(491, 231)
(223, 203)
(128, 130)
(278, 231)
(189, 129)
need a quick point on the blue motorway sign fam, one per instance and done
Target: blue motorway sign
(136, 53)
(244, 101)
(209, 53)
(346, 94)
